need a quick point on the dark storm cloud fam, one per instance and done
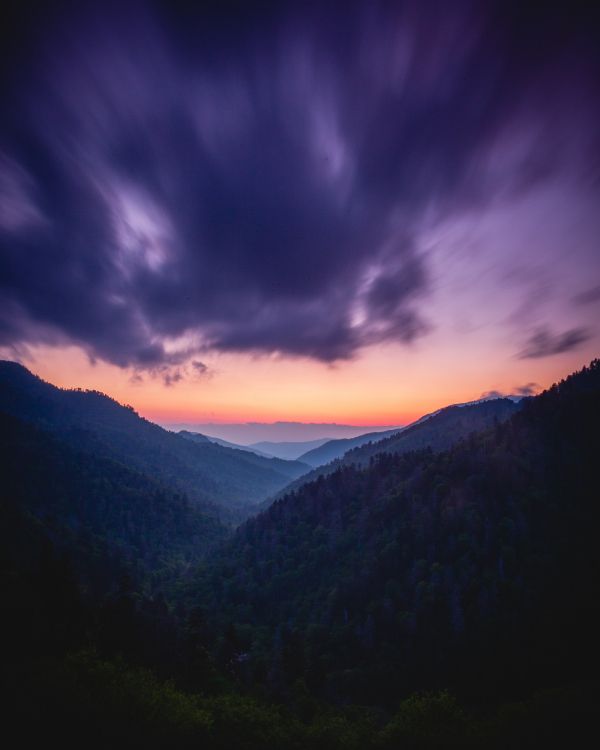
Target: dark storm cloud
(177, 181)
(545, 343)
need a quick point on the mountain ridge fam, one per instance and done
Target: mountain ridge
(226, 480)
(434, 430)
(290, 449)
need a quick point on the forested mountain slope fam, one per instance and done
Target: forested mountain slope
(82, 504)
(201, 438)
(437, 432)
(332, 449)
(284, 467)
(209, 474)
(471, 568)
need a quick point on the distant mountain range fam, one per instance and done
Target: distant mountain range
(332, 449)
(251, 433)
(291, 449)
(287, 450)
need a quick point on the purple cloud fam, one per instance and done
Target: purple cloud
(589, 297)
(492, 394)
(176, 181)
(546, 343)
(529, 389)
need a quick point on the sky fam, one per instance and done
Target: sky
(320, 212)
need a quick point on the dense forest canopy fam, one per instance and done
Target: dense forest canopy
(428, 598)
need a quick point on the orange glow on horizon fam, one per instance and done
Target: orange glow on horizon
(389, 386)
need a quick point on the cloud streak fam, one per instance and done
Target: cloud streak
(165, 196)
(546, 343)
(529, 389)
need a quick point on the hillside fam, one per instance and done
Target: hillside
(470, 568)
(280, 466)
(198, 437)
(352, 605)
(211, 475)
(332, 449)
(90, 507)
(437, 431)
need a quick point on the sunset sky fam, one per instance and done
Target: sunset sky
(329, 212)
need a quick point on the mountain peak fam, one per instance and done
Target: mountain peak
(9, 368)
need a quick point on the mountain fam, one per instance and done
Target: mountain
(426, 600)
(329, 450)
(289, 449)
(437, 431)
(215, 477)
(333, 449)
(88, 506)
(250, 433)
(198, 437)
(471, 568)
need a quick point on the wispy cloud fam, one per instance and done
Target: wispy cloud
(545, 343)
(529, 389)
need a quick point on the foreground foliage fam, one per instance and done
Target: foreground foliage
(84, 700)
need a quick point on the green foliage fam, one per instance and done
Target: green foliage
(427, 720)
(86, 700)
